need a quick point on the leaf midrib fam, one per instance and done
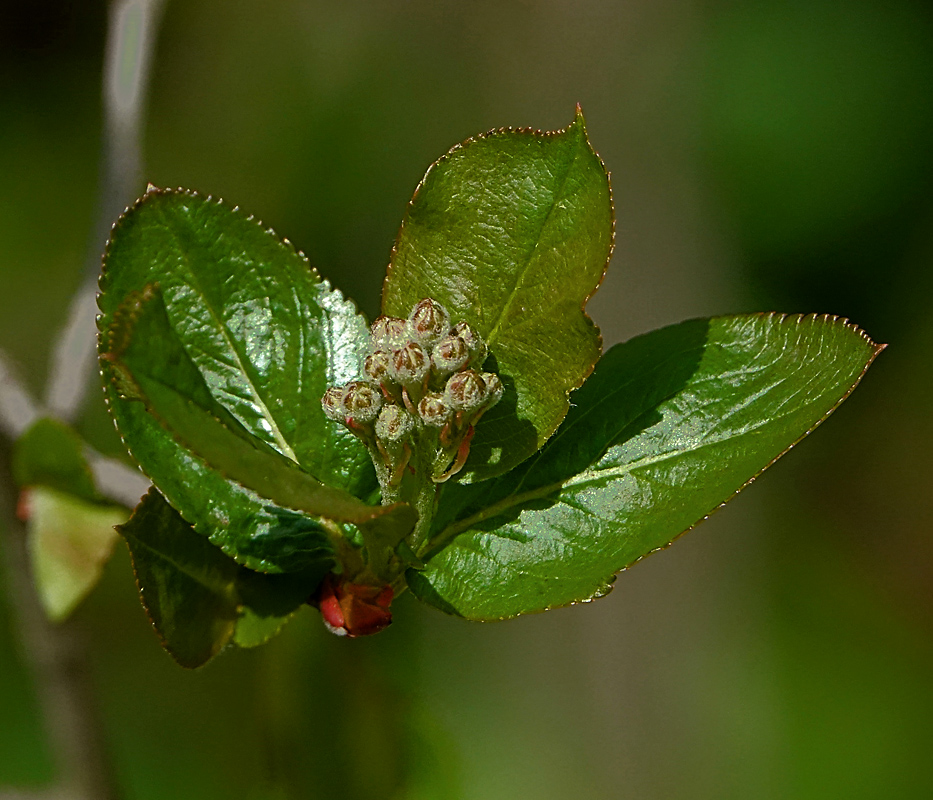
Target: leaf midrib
(370, 514)
(184, 571)
(606, 399)
(523, 270)
(583, 478)
(265, 413)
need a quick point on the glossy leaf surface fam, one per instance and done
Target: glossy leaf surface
(265, 333)
(196, 597)
(512, 232)
(70, 540)
(670, 425)
(152, 369)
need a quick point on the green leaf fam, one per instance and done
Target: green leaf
(51, 454)
(69, 528)
(70, 540)
(512, 231)
(269, 601)
(670, 426)
(266, 334)
(198, 598)
(151, 367)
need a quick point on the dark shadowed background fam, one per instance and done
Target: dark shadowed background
(764, 156)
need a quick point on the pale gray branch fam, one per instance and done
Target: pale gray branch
(57, 652)
(115, 480)
(131, 36)
(17, 408)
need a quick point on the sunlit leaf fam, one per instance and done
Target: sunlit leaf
(267, 335)
(152, 369)
(512, 232)
(670, 426)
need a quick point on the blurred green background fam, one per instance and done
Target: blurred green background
(764, 155)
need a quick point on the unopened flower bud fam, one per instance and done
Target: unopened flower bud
(362, 401)
(394, 423)
(377, 365)
(410, 364)
(450, 354)
(465, 391)
(494, 388)
(428, 321)
(389, 333)
(434, 410)
(473, 341)
(332, 403)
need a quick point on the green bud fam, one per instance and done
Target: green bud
(465, 391)
(409, 364)
(450, 354)
(377, 365)
(394, 424)
(389, 333)
(473, 341)
(494, 388)
(362, 401)
(428, 321)
(434, 410)
(332, 403)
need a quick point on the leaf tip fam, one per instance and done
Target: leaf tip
(578, 117)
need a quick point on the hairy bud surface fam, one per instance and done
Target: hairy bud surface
(362, 401)
(428, 321)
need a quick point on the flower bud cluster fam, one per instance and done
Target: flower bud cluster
(423, 389)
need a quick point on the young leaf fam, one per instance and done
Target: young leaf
(669, 426)
(257, 322)
(512, 232)
(50, 454)
(69, 528)
(70, 540)
(151, 367)
(198, 598)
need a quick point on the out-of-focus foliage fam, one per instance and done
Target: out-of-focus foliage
(69, 526)
(764, 156)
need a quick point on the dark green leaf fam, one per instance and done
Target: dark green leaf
(197, 597)
(151, 366)
(247, 526)
(70, 540)
(669, 426)
(269, 601)
(512, 231)
(51, 454)
(267, 335)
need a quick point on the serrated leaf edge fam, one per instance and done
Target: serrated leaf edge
(336, 296)
(153, 191)
(452, 531)
(538, 134)
(142, 597)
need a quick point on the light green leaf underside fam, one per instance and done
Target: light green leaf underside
(670, 426)
(70, 540)
(512, 232)
(70, 530)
